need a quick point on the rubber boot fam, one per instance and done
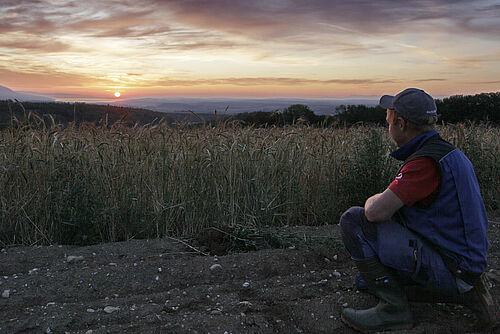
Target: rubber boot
(478, 300)
(393, 310)
(360, 283)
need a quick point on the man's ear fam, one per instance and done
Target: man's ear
(401, 123)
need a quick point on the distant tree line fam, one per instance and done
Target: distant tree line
(484, 107)
(63, 113)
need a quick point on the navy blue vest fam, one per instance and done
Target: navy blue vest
(455, 222)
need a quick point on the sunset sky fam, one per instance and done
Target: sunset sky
(261, 48)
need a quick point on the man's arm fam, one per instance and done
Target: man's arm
(383, 206)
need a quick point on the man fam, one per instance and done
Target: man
(426, 231)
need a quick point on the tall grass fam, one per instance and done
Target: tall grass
(94, 183)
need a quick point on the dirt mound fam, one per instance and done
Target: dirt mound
(165, 286)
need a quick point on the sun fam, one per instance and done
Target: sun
(117, 94)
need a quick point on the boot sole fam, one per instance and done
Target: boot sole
(379, 329)
(488, 303)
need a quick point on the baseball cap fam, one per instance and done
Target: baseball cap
(413, 104)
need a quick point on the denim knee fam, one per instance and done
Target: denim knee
(351, 220)
(350, 231)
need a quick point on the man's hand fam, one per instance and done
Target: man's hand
(381, 207)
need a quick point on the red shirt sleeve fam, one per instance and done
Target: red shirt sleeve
(417, 181)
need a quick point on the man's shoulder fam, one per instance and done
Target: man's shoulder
(435, 148)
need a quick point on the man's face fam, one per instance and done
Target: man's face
(395, 128)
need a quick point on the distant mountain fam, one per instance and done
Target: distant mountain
(236, 105)
(9, 94)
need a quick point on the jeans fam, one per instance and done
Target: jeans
(396, 247)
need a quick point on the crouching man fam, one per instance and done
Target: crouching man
(424, 237)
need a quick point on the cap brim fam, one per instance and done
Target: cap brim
(386, 102)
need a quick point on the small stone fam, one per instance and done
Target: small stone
(216, 312)
(90, 310)
(89, 331)
(246, 285)
(345, 305)
(112, 264)
(336, 274)
(6, 294)
(71, 259)
(48, 330)
(335, 257)
(215, 267)
(160, 270)
(111, 309)
(327, 260)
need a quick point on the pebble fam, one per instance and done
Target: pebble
(345, 305)
(336, 274)
(72, 258)
(335, 257)
(160, 270)
(90, 310)
(246, 285)
(111, 309)
(89, 331)
(215, 267)
(6, 294)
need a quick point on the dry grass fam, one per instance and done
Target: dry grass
(91, 184)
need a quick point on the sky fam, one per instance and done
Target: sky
(244, 48)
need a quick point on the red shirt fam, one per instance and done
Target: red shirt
(417, 182)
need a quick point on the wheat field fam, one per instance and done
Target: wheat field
(88, 184)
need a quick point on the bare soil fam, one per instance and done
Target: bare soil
(164, 286)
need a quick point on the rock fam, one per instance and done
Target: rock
(215, 267)
(90, 310)
(72, 258)
(160, 270)
(6, 294)
(111, 309)
(89, 331)
(335, 257)
(246, 285)
(345, 305)
(336, 274)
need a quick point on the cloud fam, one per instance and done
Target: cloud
(267, 81)
(46, 77)
(261, 20)
(430, 80)
(264, 19)
(477, 60)
(34, 45)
